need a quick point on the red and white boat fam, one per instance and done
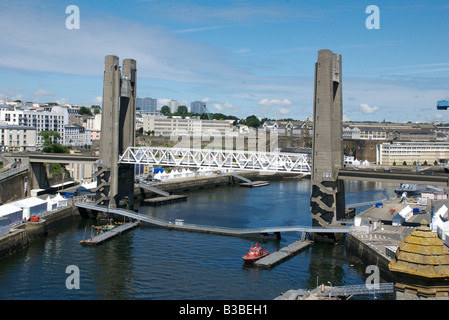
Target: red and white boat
(254, 253)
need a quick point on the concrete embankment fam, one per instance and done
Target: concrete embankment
(184, 185)
(20, 236)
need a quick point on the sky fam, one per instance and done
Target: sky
(241, 57)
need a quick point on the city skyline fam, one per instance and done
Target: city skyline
(240, 57)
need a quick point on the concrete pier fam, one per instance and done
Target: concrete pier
(283, 254)
(254, 184)
(104, 236)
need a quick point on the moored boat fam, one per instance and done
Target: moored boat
(254, 253)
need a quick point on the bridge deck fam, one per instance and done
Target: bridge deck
(218, 159)
(211, 229)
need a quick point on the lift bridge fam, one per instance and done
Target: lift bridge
(219, 159)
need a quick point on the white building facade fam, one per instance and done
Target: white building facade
(17, 138)
(163, 126)
(47, 118)
(411, 152)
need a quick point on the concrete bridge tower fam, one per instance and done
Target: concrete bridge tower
(327, 194)
(115, 182)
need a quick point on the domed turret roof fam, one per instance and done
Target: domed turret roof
(422, 254)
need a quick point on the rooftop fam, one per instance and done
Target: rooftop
(422, 254)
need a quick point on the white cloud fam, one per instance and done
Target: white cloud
(41, 42)
(364, 108)
(12, 94)
(220, 107)
(43, 93)
(274, 102)
(97, 100)
(284, 111)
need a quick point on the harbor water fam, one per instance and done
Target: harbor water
(156, 263)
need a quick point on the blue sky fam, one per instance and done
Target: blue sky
(242, 57)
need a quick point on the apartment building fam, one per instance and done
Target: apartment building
(42, 119)
(17, 138)
(163, 126)
(76, 136)
(145, 105)
(48, 118)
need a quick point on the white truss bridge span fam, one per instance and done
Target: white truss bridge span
(219, 159)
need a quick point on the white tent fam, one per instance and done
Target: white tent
(51, 204)
(13, 213)
(406, 213)
(163, 176)
(31, 207)
(60, 200)
(442, 230)
(188, 173)
(436, 219)
(4, 226)
(89, 185)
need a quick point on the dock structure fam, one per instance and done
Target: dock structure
(104, 236)
(165, 198)
(249, 183)
(283, 254)
(324, 292)
(158, 201)
(154, 189)
(254, 184)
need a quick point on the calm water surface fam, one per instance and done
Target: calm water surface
(154, 263)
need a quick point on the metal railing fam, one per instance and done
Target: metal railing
(14, 171)
(363, 289)
(213, 229)
(219, 159)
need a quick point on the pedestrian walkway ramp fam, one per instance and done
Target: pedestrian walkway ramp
(154, 189)
(241, 178)
(210, 229)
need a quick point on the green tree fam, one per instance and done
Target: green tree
(182, 111)
(252, 121)
(84, 110)
(50, 145)
(96, 109)
(165, 110)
